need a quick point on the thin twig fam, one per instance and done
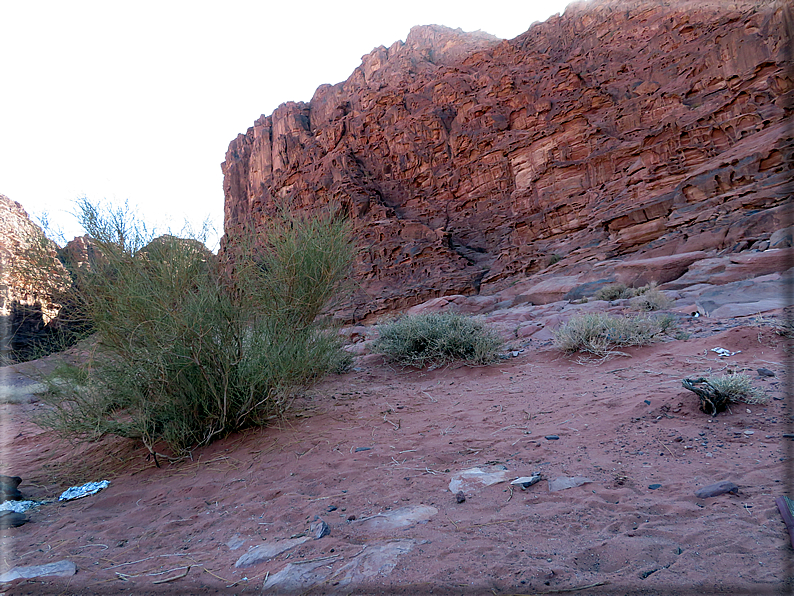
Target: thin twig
(170, 579)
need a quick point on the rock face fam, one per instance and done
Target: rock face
(31, 279)
(619, 129)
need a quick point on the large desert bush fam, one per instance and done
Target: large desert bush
(191, 348)
(435, 338)
(601, 334)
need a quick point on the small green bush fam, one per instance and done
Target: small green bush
(435, 338)
(191, 348)
(600, 334)
(738, 388)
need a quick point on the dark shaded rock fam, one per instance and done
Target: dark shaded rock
(460, 497)
(765, 372)
(8, 488)
(12, 519)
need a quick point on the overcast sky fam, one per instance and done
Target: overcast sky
(138, 100)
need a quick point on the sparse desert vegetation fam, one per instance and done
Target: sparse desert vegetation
(601, 334)
(190, 349)
(436, 338)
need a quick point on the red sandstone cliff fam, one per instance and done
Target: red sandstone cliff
(619, 128)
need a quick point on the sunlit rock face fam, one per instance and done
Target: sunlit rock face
(32, 280)
(467, 163)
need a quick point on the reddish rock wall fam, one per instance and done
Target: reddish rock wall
(620, 128)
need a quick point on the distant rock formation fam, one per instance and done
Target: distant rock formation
(32, 281)
(621, 129)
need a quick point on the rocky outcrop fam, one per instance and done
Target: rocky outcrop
(32, 282)
(620, 129)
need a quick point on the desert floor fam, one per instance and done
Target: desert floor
(373, 453)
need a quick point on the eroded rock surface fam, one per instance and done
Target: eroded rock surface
(619, 128)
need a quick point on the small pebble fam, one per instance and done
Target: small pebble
(331, 508)
(362, 449)
(749, 432)
(460, 497)
(654, 486)
(765, 372)
(351, 518)
(552, 437)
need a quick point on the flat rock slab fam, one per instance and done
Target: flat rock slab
(377, 560)
(268, 550)
(399, 518)
(476, 477)
(296, 577)
(63, 568)
(563, 482)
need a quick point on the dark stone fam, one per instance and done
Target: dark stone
(12, 519)
(552, 437)
(460, 497)
(765, 372)
(714, 490)
(654, 486)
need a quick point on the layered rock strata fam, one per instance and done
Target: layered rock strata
(619, 129)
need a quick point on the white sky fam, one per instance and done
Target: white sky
(138, 100)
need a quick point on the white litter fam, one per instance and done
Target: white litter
(723, 352)
(18, 506)
(78, 492)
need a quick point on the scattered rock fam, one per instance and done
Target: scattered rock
(63, 568)
(8, 488)
(376, 560)
(713, 490)
(526, 481)
(12, 519)
(268, 550)
(654, 486)
(552, 437)
(319, 529)
(296, 577)
(563, 482)
(399, 518)
(460, 497)
(482, 476)
(765, 372)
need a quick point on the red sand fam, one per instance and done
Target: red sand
(421, 427)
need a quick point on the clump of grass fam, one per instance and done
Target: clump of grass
(191, 348)
(600, 334)
(650, 298)
(738, 388)
(435, 338)
(613, 292)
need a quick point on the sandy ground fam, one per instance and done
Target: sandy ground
(372, 453)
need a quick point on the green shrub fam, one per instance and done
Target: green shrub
(601, 334)
(191, 348)
(417, 340)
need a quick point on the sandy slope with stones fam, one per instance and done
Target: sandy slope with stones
(372, 453)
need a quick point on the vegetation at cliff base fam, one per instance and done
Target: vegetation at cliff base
(192, 347)
(436, 338)
(601, 334)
